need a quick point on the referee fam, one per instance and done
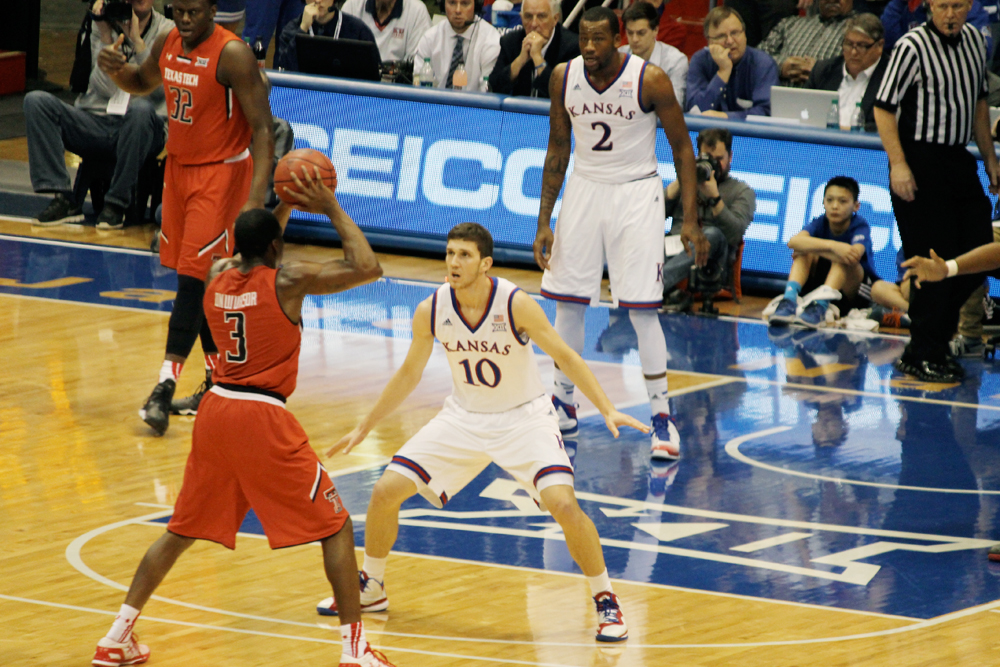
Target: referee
(936, 82)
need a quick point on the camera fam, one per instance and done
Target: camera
(706, 166)
(115, 11)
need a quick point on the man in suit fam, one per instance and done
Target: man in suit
(857, 72)
(529, 52)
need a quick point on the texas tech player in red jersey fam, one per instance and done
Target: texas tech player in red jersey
(247, 450)
(216, 103)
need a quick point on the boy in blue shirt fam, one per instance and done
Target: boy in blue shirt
(831, 258)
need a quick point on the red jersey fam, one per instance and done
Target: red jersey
(206, 123)
(258, 344)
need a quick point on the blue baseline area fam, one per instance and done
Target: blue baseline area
(827, 407)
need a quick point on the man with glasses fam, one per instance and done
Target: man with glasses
(798, 42)
(529, 52)
(857, 72)
(728, 79)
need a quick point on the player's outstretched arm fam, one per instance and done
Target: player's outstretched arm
(978, 260)
(556, 163)
(402, 384)
(530, 318)
(133, 79)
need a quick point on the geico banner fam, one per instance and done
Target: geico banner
(417, 169)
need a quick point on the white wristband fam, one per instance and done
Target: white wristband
(952, 267)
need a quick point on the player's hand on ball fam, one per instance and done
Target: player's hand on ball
(922, 268)
(543, 247)
(616, 420)
(312, 195)
(695, 243)
(347, 443)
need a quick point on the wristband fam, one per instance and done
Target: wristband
(952, 267)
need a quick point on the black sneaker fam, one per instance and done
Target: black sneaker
(156, 411)
(111, 217)
(59, 210)
(991, 314)
(189, 405)
(679, 301)
(929, 371)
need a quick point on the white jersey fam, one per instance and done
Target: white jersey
(493, 369)
(615, 136)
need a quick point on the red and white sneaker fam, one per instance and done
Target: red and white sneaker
(373, 597)
(611, 622)
(666, 441)
(371, 658)
(112, 654)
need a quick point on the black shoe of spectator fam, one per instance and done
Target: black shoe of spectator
(991, 314)
(679, 301)
(59, 210)
(929, 371)
(111, 217)
(956, 368)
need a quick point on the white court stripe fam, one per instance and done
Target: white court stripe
(771, 542)
(78, 246)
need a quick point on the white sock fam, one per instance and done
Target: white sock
(657, 390)
(600, 583)
(121, 629)
(170, 370)
(374, 568)
(353, 638)
(570, 318)
(562, 387)
(652, 356)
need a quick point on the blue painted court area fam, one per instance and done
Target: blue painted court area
(812, 471)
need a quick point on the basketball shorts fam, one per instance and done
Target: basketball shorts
(457, 445)
(248, 452)
(200, 205)
(621, 224)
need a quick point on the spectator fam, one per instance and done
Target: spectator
(762, 15)
(261, 18)
(969, 342)
(728, 79)
(831, 258)
(725, 207)
(668, 30)
(640, 26)
(529, 52)
(901, 16)
(397, 25)
(103, 122)
(464, 39)
(857, 73)
(320, 17)
(891, 301)
(799, 41)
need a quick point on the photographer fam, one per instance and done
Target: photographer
(104, 121)
(725, 205)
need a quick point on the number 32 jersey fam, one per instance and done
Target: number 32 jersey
(493, 369)
(615, 136)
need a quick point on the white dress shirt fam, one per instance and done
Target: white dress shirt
(672, 61)
(397, 39)
(851, 91)
(480, 44)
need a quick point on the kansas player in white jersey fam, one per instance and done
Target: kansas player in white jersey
(498, 412)
(612, 208)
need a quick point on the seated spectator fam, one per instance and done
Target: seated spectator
(901, 16)
(668, 30)
(762, 15)
(320, 17)
(857, 72)
(798, 42)
(728, 79)
(977, 309)
(725, 207)
(103, 122)
(397, 25)
(640, 26)
(891, 301)
(529, 52)
(464, 39)
(831, 258)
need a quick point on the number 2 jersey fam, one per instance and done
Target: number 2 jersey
(258, 344)
(493, 369)
(615, 136)
(205, 121)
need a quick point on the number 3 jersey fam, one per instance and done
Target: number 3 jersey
(615, 136)
(493, 369)
(205, 121)
(258, 344)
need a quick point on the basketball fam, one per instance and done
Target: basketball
(293, 162)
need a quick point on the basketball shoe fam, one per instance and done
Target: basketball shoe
(666, 439)
(373, 598)
(156, 411)
(611, 622)
(371, 658)
(112, 654)
(189, 405)
(994, 553)
(568, 424)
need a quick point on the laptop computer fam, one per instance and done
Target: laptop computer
(809, 107)
(345, 58)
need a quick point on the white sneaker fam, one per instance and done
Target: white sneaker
(373, 597)
(568, 424)
(371, 658)
(110, 653)
(666, 441)
(611, 622)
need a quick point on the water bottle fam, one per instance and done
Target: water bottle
(259, 51)
(485, 87)
(858, 119)
(416, 75)
(427, 74)
(833, 115)
(460, 79)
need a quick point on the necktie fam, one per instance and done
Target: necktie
(457, 58)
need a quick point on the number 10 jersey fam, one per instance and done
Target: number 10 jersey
(615, 135)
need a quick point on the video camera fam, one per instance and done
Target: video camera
(706, 166)
(115, 11)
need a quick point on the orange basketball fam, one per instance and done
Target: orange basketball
(294, 161)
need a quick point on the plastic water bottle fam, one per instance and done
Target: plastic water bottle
(427, 74)
(485, 86)
(416, 75)
(833, 115)
(858, 119)
(460, 79)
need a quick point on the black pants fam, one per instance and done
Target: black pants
(759, 16)
(950, 214)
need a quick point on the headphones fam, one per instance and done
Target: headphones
(477, 8)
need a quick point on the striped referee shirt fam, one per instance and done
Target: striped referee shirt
(932, 84)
